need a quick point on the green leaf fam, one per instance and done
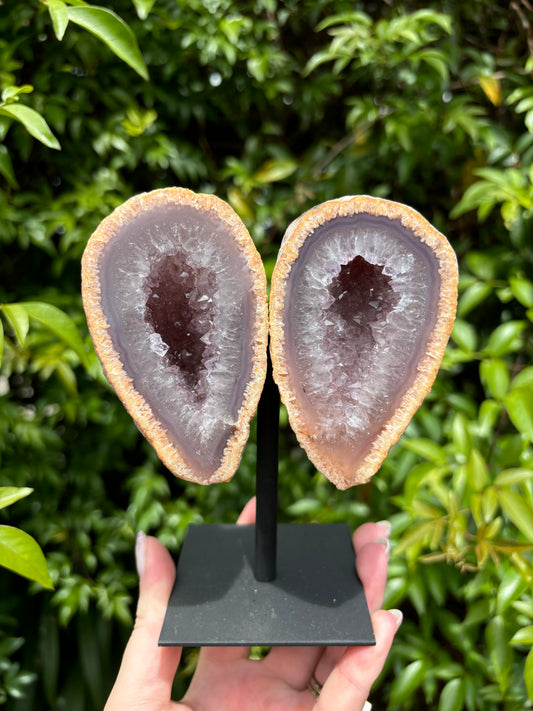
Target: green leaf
(10, 494)
(495, 377)
(275, 170)
(513, 476)
(523, 636)
(20, 553)
(464, 335)
(472, 297)
(477, 470)
(112, 31)
(303, 507)
(1, 341)
(499, 650)
(522, 291)
(143, 7)
(407, 681)
(33, 122)
(6, 167)
(505, 338)
(435, 59)
(426, 449)
(518, 511)
(18, 318)
(528, 675)
(452, 696)
(60, 324)
(11, 93)
(519, 404)
(524, 378)
(59, 15)
(462, 440)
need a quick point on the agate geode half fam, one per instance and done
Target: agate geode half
(363, 301)
(175, 296)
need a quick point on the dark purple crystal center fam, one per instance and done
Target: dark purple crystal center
(363, 296)
(179, 307)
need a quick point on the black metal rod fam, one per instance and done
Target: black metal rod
(267, 480)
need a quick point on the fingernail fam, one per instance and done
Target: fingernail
(385, 543)
(386, 526)
(398, 616)
(140, 550)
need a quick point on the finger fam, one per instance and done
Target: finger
(293, 665)
(368, 532)
(147, 671)
(327, 663)
(371, 563)
(248, 513)
(372, 546)
(223, 655)
(349, 684)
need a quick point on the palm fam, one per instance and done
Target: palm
(232, 684)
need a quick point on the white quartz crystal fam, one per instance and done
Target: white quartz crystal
(349, 380)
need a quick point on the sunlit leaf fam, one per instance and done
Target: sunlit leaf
(11, 93)
(20, 553)
(10, 494)
(59, 15)
(452, 696)
(60, 324)
(523, 636)
(472, 297)
(33, 122)
(275, 170)
(112, 31)
(513, 476)
(495, 377)
(425, 448)
(522, 291)
(464, 335)
(143, 7)
(519, 404)
(518, 510)
(18, 318)
(492, 88)
(505, 338)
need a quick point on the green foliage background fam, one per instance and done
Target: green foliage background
(275, 107)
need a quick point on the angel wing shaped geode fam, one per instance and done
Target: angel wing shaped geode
(362, 304)
(175, 297)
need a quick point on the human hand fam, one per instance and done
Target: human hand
(225, 678)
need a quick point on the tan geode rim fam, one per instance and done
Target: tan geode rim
(427, 368)
(134, 402)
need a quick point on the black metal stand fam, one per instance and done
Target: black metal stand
(268, 584)
(267, 481)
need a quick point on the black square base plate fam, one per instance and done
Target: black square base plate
(315, 599)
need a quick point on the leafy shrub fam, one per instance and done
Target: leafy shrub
(275, 107)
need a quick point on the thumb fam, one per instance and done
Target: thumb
(147, 671)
